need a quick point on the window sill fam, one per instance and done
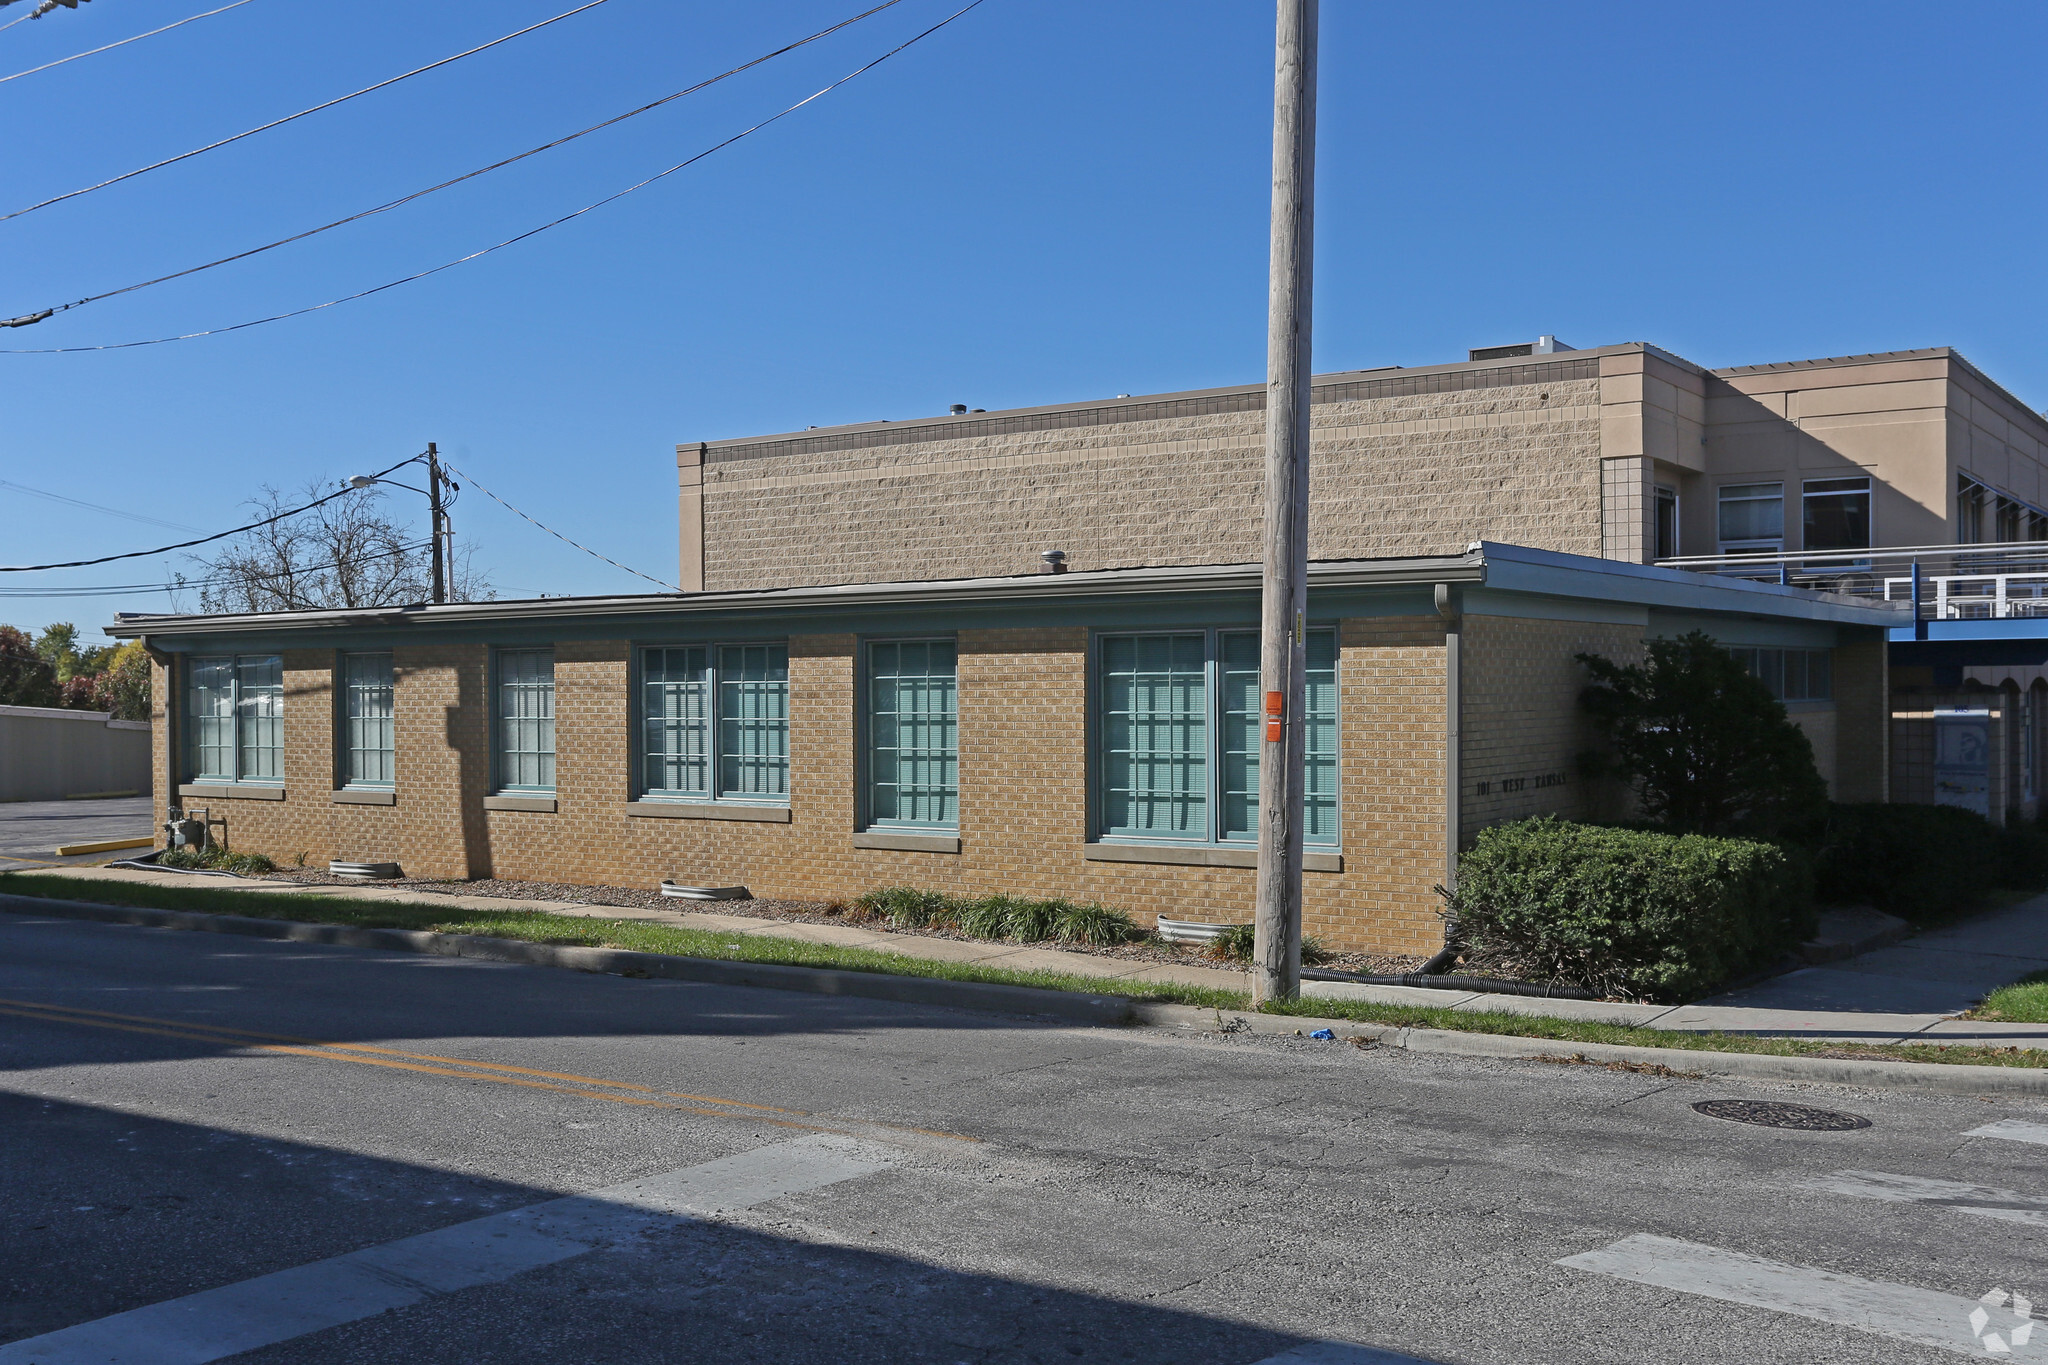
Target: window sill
(1204, 855)
(907, 842)
(707, 810)
(544, 804)
(363, 796)
(230, 791)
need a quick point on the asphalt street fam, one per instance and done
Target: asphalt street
(216, 1148)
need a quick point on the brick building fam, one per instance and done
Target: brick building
(1086, 734)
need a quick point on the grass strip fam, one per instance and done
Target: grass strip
(542, 926)
(577, 931)
(2025, 1001)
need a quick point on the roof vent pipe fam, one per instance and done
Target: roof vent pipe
(1055, 561)
(959, 409)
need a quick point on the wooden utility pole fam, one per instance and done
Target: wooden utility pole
(439, 516)
(1283, 642)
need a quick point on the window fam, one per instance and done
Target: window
(1179, 755)
(1667, 523)
(367, 720)
(1791, 674)
(913, 734)
(234, 707)
(525, 719)
(1752, 517)
(1836, 514)
(714, 722)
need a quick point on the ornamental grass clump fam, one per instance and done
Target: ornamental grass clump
(906, 907)
(1235, 944)
(214, 858)
(1011, 918)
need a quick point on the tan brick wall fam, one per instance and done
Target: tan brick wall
(1023, 775)
(1418, 474)
(1523, 730)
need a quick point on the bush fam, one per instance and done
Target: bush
(1628, 913)
(1235, 944)
(1921, 863)
(214, 858)
(2022, 857)
(1707, 747)
(997, 917)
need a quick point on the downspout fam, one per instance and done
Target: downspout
(1454, 782)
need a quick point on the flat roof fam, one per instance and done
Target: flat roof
(1511, 568)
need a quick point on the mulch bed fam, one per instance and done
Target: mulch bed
(807, 912)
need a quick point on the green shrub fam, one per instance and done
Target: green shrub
(1236, 943)
(1628, 913)
(1921, 863)
(906, 907)
(1095, 924)
(215, 858)
(998, 917)
(2023, 857)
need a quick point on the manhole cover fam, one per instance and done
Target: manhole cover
(1772, 1114)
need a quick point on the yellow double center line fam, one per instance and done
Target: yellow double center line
(432, 1064)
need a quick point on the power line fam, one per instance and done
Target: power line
(484, 170)
(95, 507)
(123, 43)
(123, 589)
(509, 241)
(670, 587)
(187, 544)
(340, 99)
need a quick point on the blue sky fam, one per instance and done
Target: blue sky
(1043, 202)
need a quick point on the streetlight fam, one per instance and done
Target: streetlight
(437, 506)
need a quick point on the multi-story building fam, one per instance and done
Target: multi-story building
(876, 675)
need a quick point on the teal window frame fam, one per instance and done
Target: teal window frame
(523, 734)
(929, 777)
(731, 721)
(369, 721)
(1227, 717)
(234, 718)
(1792, 675)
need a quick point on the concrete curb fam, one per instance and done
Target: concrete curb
(1927, 1077)
(1066, 1006)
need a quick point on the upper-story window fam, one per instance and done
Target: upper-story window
(1836, 514)
(1666, 527)
(714, 722)
(913, 734)
(1791, 674)
(234, 708)
(523, 716)
(1179, 725)
(369, 743)
(1751, 517)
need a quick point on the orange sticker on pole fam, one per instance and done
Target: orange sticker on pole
(1276, 715)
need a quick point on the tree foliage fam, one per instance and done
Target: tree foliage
(50, 670)
(1707, 747)
(344, 553)
(26, 677)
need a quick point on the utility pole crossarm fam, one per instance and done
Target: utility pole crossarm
(1283, 642)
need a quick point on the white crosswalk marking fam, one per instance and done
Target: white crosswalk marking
(1898, 1311)
(240, 1317)
(2014, 1130)
(1984, 1201)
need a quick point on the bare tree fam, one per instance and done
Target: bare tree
(344, 553)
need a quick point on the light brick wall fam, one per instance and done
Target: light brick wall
(1023, 775)
(1522, 727)
(1403, 475)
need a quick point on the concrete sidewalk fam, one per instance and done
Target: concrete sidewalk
(1896, 983)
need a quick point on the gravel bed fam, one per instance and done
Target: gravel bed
(808, 912)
